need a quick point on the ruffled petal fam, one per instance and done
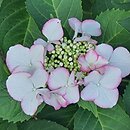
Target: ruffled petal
(91, 27)
(17, 56)
(30, 103)
(37, 54)
(83, 64)
(90, 92)
(52, 29)
(75, 24)
(104, 50)
(93, 77)
(58, 78)
(72, 94)
(107, 98)
(19, 85)
(121, 59)
(39, 78)
(50, 47)
(111, 78)
(40, 41)
(101, 62)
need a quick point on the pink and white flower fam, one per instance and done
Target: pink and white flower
(87, 28)
(23, 59)
(53, 31)
(102, 88)
(27, 88)
(91, 61)
(64, 87)
(120, 57)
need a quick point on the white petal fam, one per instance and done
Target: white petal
(37, 54)
(52, 29)
(19, 85)
(104, 50)
(39, 78)
(107, 98)
(91, 57)
(30, 103)
(75, 24)
(72, 94)
(58, 78)
(17, 56)
(84, 66)
(121, 59)
(93, 77)
(91, 27)
(83, 38)
(90, 92)
(50, 47)
(40, 41)
(111, 78)
(71, 79)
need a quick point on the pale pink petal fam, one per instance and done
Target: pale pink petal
(111, 78)
(58, 78)
(101, 62)
(92, 41)
(121, 59)
(37, 54)
(104, 50)
(52, 101)
(83, 38)
(19, 85)
(90, 92)
(72, 94)
(91, 57)
(40, 41)
(107, 98)
(39, 78)
(52, 29)
(50, 47)
(30, 103)
(71, 79)
(93, 77)
(61, 101)
(17, 55)
(91, 27)
(84, 65)
(75, 24)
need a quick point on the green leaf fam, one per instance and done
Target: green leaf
(43, 10)
(4, 125)
(113, 119)
(64, 116)
(112, 32)
(125, 23)
(41, 125)
(85, 120)
(16, 26)
(126, 99)
(89, 106)
(110, 119)
(102, 5)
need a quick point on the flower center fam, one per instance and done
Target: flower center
(66, 54)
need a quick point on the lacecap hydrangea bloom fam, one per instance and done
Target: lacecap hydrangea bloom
(60, 71)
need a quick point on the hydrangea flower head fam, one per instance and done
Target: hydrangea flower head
(60, 70)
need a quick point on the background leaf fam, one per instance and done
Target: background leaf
(42, 10)
(16, 26)
(102, 5)
(126, 99)
(112, 32)
(85, 120)
(41, 125)
(4, 125)
(64, 116)
(89, 106)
